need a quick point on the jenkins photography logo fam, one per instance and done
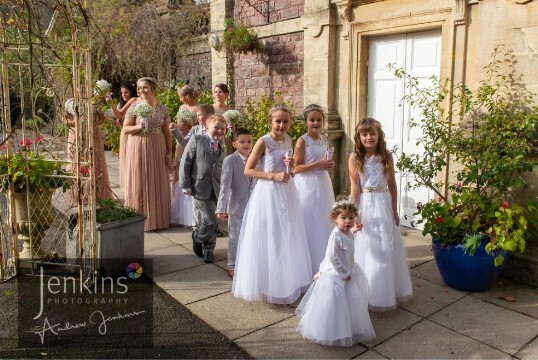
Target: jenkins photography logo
(73, 310)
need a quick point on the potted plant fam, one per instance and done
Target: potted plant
(484, 137)
(120, 235)
(32, 177)
(239, 38)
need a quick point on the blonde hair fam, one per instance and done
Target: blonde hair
(364, 126)
(150, 81)
(216, 118)
(187, 90)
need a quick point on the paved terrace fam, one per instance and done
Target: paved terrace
(439, 322)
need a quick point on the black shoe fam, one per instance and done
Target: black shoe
(221, 233)
(196, 247)
(208, 257)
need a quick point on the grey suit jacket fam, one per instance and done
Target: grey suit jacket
(201, 168)
(235, 187)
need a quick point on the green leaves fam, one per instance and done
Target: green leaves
(486, 134)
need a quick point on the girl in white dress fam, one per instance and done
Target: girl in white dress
(334, 311)
(273, 263)
(379, 248)
(182, 204)
(313, 161)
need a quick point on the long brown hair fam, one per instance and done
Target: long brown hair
(364, 126)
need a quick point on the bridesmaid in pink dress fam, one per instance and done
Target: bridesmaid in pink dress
(186, 114)
(103, 189)
(148, 158)
(127, 98)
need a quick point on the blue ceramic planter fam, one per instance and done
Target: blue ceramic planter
(465, 272)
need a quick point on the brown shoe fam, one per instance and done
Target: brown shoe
(231, 273)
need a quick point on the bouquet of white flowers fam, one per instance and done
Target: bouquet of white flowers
(144, 110)
(186, 116)
(70, 106)
(233, 117)
(101, 90)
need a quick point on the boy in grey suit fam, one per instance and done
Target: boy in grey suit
(235, 190)
(201, 166)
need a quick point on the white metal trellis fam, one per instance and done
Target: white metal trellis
(33, 63)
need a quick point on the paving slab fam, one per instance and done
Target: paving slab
(282, 341)
(418, 250)
(171, 259)
(427, 340)
(195, 284)
(370, 354)
(491, 324)
(525, 297)
(429, 297)
(178, 234)
(428, 271)
(387, 324)
(154, 241)
(530, 351)
(235, 318)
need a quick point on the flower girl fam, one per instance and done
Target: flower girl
(334, 311)
(313, 161)
(273, 263)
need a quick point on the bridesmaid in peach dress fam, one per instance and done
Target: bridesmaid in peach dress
(148, 158)
(103, 189)
(220, 94)
(127, 98)
(186, 114)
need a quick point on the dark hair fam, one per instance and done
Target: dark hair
(310, 108)
(240, 131)
(342, 205)
(206, 109)
(223, 87)
(132, 91)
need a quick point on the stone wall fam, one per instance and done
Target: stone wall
(262, 12)
(279, 68)
(195, 64)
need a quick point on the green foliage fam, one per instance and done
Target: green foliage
(240, 39)
(29, 170)
(110, 210)
(487, 133)
(256, 118)
(111, 136)
(170, 98)
(206, 97)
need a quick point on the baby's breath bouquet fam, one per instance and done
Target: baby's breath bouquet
(100, 91)
(186, 116)
(232, 117)
(144, 111)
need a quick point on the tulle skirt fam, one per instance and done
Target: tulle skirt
(316, 198)
(273, 263)
(182, 206)
(335, 311)
(380, 252)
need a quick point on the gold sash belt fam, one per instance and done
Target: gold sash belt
(371, 189)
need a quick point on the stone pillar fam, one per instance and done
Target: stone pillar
(320, 37)
(219, 10)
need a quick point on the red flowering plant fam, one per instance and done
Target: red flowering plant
(485, 137)
(27, 169)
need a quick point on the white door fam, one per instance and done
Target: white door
(420, 55)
